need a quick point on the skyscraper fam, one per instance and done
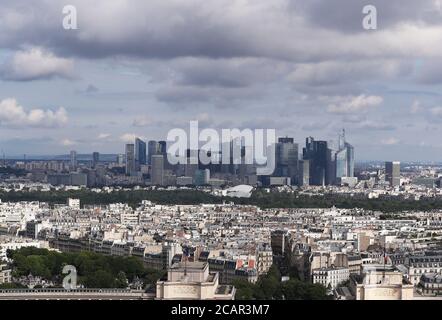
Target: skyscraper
(95, 159)
(319, 156)
(120, 159)
(201, 177)
(162, 148)
(287, 158)
(304, 173)
(152, 149)
(140, 153)
(73, 160)
(393, 173)
(130, 159)
(157, 175)
(344, 158)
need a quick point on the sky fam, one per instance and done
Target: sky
(142, 68)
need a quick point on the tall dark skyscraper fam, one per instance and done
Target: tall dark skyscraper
(130, 159)
(393, 173)
(157, 175)
(140, 153)
(95, 159)
(304, 173)
(319, 156)
(162, 147)
(287, 158)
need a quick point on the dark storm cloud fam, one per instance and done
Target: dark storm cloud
(344, 15)
(218, 97)
(197, 28)
(230, 73)
(154, 29)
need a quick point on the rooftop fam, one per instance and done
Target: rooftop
(189, 265)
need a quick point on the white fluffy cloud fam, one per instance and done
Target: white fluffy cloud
(130, 137)
(34, 64)
(14, 115)
(354, 104)
(103, 136)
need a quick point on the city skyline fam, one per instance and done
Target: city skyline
(333, 144)
(143, 68)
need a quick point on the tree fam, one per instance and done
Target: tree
(99, 279)
(121, 280)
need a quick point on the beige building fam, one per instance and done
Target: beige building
(379, 282)
(5, 274)
(193, 281)
(264, 259)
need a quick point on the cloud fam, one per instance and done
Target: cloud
(14, 115)
(256, 58)
(91, 89)
(376, 126)
(229, 73)
(313, 126)
(103, 136)
(390, 141)
(204, 119)
(36, 64)
(67, 142)
(346, 16)
(220, 97)
(295, 30)
(130, 137)
(436, 111)
(354, 104)
(326, 73)
(354, 118)
(415, 107)
(143, 121)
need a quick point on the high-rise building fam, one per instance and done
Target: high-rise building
(157, 175)
(120, 159)
(287, 158)
(344, 158)
(319, 156)
(130, 159)
(152, 149)
(393, 173)
(95, 159)
(304, 173)
(140, 153)
(201, 177)
(162, 148)
(73, 160)
(192, 162)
